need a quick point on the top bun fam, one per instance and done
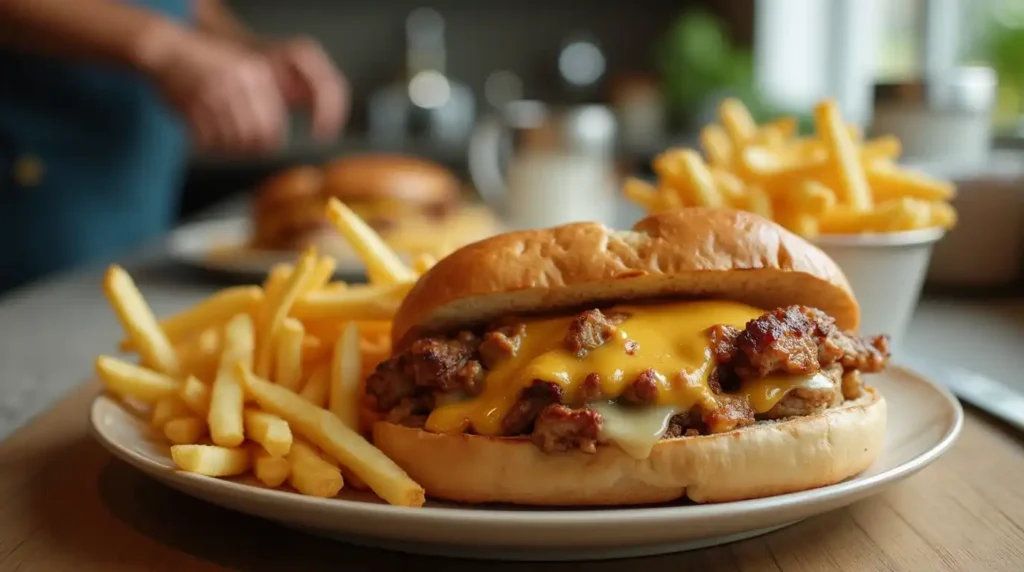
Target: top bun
(692, 252)
(389, 176)
(295, 183)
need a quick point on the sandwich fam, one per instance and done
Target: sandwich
(706, 354)
(397, 196)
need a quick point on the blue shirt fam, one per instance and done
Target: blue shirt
(110, 158)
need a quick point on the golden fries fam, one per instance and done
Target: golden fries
(212, 311)
(211, 460)
(311, 474)
(318, 387)
(378, 258)
(139, 323)
(326, 431)
(288, 370)
(269, 431)
(227, 399)
(196, 396)
(355, 303)
(170, 407)
(278, 310)
(830, 126)
(184, 430)
(130, 380)
(833, 182)
(301, 331)
(270, 470)
(346, 367)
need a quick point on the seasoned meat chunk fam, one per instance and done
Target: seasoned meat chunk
(588, 331)
(559, 428)
(436, 362)
(500, 344)
(531, 402)
(389, 384)
(853, 385)
(643, 390)
(732, 412)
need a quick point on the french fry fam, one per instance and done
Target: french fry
(227, 399)
(211, 460)
(313, 348)
(343, 398)
(323, 429)
(275, 281)
(288, 365)
(813, 198)
(137, 382)
(269, 431)
(890, 216)
(371, 249)
(318, 386)
(311, 474)
(139, 323)
(854, 190)
(641, 192)
(184, 430)
(335, 287)
(424, 261)
(208, 314)
(702, 185)
(943, 215)
(882, 148)
(355, 303)
(170, 407)
(731, 186)
(196, 396)
(279, 308)
(322, 273)
(891, 183)
(717, 145)
(737, 121)
(270, 470)
(758, 202)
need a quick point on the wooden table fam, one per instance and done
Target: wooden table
(68, 505)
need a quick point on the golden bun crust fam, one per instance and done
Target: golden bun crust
(289, 208)
(390, 176)
(693, 252)
(765, 459)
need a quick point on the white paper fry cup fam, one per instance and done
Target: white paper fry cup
(886, 272)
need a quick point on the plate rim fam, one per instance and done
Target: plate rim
(547, 516)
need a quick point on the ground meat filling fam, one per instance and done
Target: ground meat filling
(791, 340)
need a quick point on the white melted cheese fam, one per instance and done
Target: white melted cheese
(636, 430)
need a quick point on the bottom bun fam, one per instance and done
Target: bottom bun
(764, 459)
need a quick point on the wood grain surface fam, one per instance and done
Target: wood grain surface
(68, 505)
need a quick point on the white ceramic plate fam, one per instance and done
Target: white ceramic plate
(924, 422)
(220, 245)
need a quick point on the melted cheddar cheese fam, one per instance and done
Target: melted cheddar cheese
(672, 339)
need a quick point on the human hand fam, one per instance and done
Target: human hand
(306, 76)
(228, 95)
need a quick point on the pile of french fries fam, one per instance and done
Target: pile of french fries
(832, 182)
(267, 379)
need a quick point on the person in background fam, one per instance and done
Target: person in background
(98, 99)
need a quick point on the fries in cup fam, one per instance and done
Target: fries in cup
(832, 182)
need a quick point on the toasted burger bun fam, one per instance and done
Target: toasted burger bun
(390, 176)
(690, 253)
(764, 459)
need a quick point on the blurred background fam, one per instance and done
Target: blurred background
(423, 74)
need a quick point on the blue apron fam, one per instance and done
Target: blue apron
(91, 160)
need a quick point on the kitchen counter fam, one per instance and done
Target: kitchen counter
(68, 505)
